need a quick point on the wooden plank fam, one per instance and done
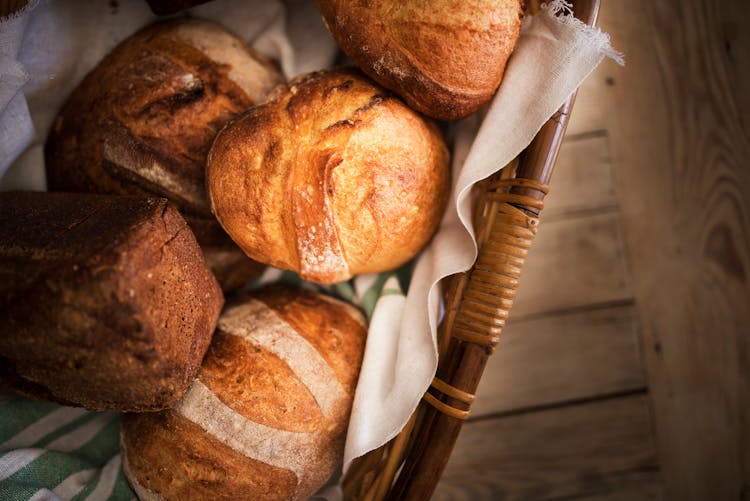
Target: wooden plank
(594, 102)
(646, 486)
(736, 39)
(630, 486)
(680, 149)
(573, 451)
(562, 358)
(582, 181)
(574, 262)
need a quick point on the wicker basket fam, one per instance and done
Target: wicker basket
(477, 306)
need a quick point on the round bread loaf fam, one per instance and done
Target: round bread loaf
(330, 178)
(267, 415)
(444, 57)
(106, 302)
(142, 122)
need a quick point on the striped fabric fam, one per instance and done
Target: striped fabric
(52, 452)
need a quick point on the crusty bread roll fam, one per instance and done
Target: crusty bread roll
(444, 57)
(330, 178)
(106, 302)
(143, 119)
(266, 417)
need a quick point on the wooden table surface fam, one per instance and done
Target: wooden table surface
(624, 372)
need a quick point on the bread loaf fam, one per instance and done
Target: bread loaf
(266, 417)
(106, 302)
(444, 57)
(331, 177)
(142, 121)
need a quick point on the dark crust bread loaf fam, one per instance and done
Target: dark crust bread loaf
(142, 122)
(330, 178)
(444, 57)
(267, 415)
(106, 302)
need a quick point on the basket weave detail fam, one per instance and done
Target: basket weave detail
(487, 291)
(452, 391)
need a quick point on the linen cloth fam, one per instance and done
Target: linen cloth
(47, 49)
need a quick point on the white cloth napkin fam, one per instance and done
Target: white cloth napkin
(16, 129)
(62, 41)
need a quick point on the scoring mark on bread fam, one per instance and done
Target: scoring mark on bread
(260, 325)
(246, 68)
(374, 101)
(185, 90)
(343, 86)
(347, 122)
(126, 158)
(289, 450)
(193, 88)
(321, 256)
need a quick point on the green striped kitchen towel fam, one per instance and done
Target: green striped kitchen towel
(52, 452)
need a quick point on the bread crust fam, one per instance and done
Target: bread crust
(106, 302)
(267, 415)
(332, 177)
(444, 57)
(142, 121)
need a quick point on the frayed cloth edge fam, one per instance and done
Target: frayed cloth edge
(561, 11)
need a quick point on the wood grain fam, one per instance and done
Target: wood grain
(595, 99)
(561, 358)
(680, 149)
(574, 262)
(591, 449)
(582, 182)
(630, 486)
(646, 486)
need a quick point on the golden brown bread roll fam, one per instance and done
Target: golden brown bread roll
(267, 415)
(444, 57)
(331, 177)
(143, 119)
(106, 302)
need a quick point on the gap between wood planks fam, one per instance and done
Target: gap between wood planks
(561, 403)
(581, 136)
(585, 308)
(562, 358)
(602, 449)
